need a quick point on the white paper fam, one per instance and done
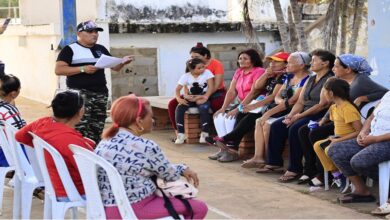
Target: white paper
(108, 62)
(256, 110)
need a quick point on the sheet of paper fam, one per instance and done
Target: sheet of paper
(256, 110)
(107, 61)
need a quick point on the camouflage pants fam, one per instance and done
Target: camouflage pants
(92, 123)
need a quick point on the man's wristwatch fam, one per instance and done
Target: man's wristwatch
(82, 69)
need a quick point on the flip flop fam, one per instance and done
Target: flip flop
(382, 210)
(288, 178)
(269, 169)
(355, 198)
(252, 164)
(303, 179)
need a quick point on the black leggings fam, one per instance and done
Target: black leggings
(312, 165)
(245, 122)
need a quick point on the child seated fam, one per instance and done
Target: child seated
(197, 84)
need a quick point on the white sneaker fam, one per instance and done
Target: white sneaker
(203, 136)
(180, 138)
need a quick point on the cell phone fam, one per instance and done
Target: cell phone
(6, 22)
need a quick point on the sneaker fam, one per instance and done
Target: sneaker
(216, 156)
(344, 184)
(202, 138)
(337, 182)
(227, 145)
(180, 138)
(210, 140)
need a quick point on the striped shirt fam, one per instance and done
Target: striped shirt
(77, 55)
(11, 114)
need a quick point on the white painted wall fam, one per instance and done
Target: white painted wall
(173, 50)
(26, 48)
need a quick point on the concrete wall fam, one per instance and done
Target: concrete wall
(378, 40)
(173, 50)
(29, 49)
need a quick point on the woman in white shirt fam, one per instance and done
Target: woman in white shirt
(362, 155)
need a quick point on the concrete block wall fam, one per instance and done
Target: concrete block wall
(139, 77)
(227, 54)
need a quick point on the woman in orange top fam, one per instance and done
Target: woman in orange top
(216, 67)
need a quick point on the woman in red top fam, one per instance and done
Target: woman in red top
(59, 131)
(216, 67)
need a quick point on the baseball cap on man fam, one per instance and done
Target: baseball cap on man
(88, 26)
(280, 56)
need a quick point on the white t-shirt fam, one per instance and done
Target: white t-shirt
(380, 124)
(196, 86)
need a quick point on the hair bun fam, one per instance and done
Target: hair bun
(199, 44)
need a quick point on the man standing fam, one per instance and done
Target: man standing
(76, 62)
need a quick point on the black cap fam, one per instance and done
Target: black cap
(88, 26)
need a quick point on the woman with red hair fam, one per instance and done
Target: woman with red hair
(137, 160)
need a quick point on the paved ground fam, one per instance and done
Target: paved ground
(230, 191)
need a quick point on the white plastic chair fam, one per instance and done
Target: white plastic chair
(384, 177)
(88, 163)
(26, 180)
(56, 209)
(4, 170)
(366, 108)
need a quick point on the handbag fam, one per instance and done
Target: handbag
(176, 189)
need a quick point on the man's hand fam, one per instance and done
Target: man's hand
(90, 69)
(191, 177)
(127, 59)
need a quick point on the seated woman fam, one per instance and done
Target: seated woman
(250, 69)
(59, 131)
(9, 90)
(308, 107)
(347, 125)
(355, 70)
(218, 92)
(298, 69)
(361, 155)
(122, 144)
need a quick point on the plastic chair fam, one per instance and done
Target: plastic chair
(384, 177)
(26, 180)
(55, 209)
(366, 108)
(4, 170)
(88, 163)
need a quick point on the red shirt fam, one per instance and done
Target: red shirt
(59, 136)
(216, 68)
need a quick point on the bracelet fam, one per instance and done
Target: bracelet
(82, 69)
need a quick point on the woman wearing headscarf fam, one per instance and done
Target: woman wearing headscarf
(355, 70)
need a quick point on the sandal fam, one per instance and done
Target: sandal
(315, 182)
(355, 198)
(253, 164)
(303, 179)
(382, 210)
(270, 169)
(288, 177)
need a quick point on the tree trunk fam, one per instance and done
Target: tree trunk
(282, 26)
(331, 27)
(335, 27)
(299, 25)
(343, 28)
(357, 20)
(249, 31)
(293, 34)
